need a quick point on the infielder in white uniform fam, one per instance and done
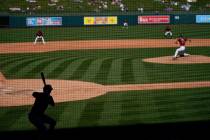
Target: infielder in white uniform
(39, 35)
(125, 24)
(168, 33)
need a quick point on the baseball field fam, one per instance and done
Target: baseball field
(101, 76)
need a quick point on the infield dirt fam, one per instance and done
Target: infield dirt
(29, 47)
(18, 92)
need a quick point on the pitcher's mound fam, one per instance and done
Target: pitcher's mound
(192, 59)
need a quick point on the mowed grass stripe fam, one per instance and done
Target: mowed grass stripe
(39, 67)
(58, 70)
(172, 73)
(171, 107)
(82, 68)
(13, 69)
(23, 69)
(49, 68)
(26, 69)
(91, 114)
(179, 105)
(145, 107)
(10, 117)
(112, 109)
(104, 71)
(70, 111)
(56, 112)
(71, 68)
(139, 71)
(127, 75)
(22, 123)
(115, 72)
(135, 108)
(93, 69)
(8, 61)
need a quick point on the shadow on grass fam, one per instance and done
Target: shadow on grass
(176, 131)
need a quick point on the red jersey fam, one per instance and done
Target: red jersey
(39, 33)
(182, 41)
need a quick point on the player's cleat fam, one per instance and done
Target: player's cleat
(185, 54)
(174, 58)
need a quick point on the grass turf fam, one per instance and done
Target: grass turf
(117, 66)
(117, 109)
(108, 32)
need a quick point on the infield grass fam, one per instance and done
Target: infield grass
(116, 66)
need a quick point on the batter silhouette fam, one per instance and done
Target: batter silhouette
(37, 116)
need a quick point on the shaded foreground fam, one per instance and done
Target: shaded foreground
(180, 130)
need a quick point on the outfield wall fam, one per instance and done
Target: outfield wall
(114, 20)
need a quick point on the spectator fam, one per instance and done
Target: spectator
(186, 7)
(141, 10)
(59, 8)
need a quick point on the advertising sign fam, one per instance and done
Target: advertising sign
(44, 21)
(107, 20)
(202, 18)
(155, 19)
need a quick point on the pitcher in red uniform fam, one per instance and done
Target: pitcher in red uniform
(181, 51)
(39, 35)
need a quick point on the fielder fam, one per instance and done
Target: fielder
(168, 33)
(125, 24)
(181, 51)
(39, 35)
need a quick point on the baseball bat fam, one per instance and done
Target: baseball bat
(43, 78)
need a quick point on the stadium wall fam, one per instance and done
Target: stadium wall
(4, 21)
(95, 20)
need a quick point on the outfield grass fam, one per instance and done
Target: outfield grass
(108, 32)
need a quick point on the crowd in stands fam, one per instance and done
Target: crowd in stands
(170, 5)
(34, 6)
(98, 4)
(121, 5)
(103, 5)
